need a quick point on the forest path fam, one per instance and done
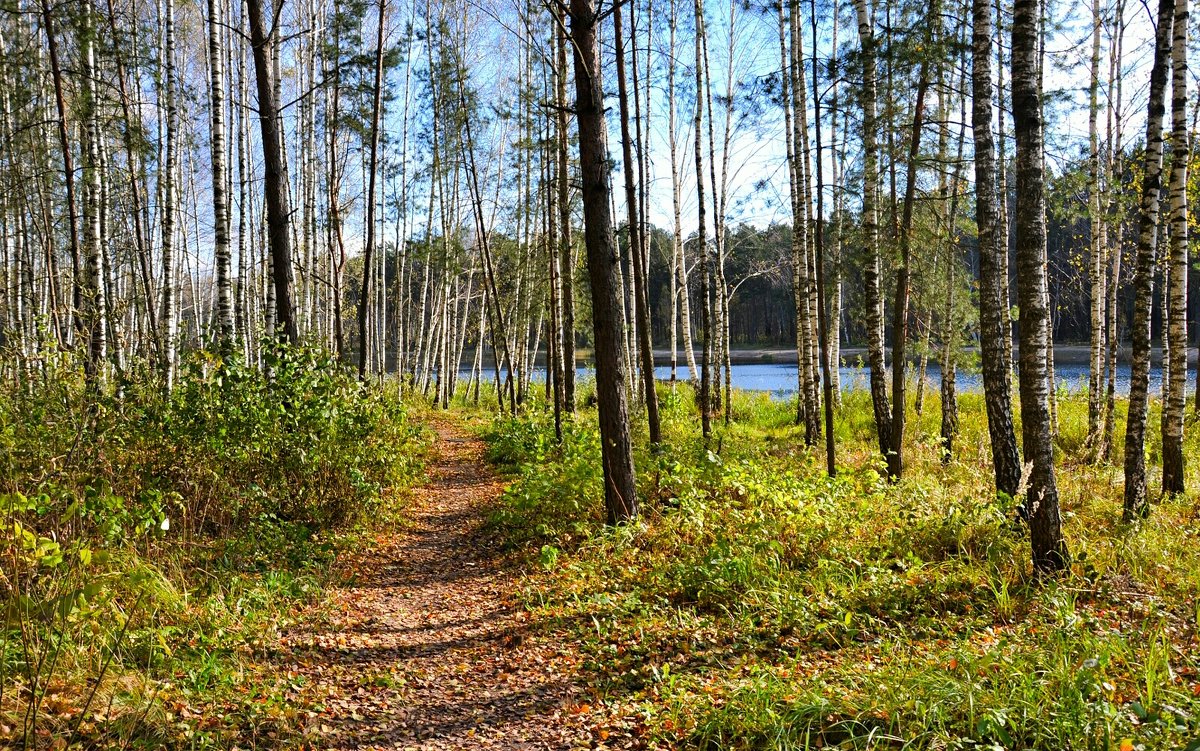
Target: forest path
(428, 648)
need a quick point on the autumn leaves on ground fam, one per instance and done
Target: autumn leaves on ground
(308, 562)
(429, 646)
(288, 563)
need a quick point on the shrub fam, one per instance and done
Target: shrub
(147, 534)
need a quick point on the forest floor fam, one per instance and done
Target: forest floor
(428, 646)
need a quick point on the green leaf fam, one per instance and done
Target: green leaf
(1139, 710)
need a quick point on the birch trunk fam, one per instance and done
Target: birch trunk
(95, 306)
(221, 254)
(566, 260)
(1136, 502)
(819, 259)
(1175, 365)
(993, 248)
(1003, 227)
(680, 296)
(870, 231)
(1096, 251)
(169, 313)
(802, 252)
(1048, 547)
(702, 238)
(1116, 236)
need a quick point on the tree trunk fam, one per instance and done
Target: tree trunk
(827, 379)
(364, 298)
(702, 239)
(636, 251)
(1116, 236)
(951, 323)
(803, 235)
(95, 306)
(221, 255)
(554, 363)
(68, 168)
(566, 261)
(279, 213)
(993, 247)
(680, 293)
(135, 167)
(1136, 504)
(870, 232)
(1003, 226)
(1097, 255)
(834, 332)
(615, 445)
(1049, 548)
(1175, 364)
(244, 310)
(925, 326)
(169, 315)
(895, 454)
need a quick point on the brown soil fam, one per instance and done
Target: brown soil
(429, 647)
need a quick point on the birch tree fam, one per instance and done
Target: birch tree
(1045, 524)
(993, 305)
(872, 271)
(1175, 364)
(220, 198)
(1135, 502)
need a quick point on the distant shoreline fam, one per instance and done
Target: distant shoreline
(1067, 354)
(1064, 354)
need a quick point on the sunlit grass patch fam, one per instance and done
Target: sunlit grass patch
(759, 604)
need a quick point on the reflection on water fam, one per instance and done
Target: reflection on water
(780, 379)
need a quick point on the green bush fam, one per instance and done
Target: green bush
(150, 535)
(554, 501)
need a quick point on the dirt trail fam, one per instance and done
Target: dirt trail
(429, 648)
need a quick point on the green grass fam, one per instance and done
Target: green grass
(153, 546)
(759, 604)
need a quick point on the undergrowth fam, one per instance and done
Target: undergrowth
(758, 604)
(154, 543)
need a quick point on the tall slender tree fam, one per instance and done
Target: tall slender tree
(895, 454)
(364, 298)
(1136, 503)
(872, 266)
(275, 188)
(566, 254)
(1175, 365)
(635, 235)
(993, 305)
(1045, 523)
(1097, 254)
(95, 305)
(616, 448)
(220, 197)
(169, 314)
(706, 275)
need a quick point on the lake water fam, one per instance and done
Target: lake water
(779, 379)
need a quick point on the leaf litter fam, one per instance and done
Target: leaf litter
(427, 646)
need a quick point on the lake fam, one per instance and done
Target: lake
(779, 379)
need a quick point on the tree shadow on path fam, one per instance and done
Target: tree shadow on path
(427, 648)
